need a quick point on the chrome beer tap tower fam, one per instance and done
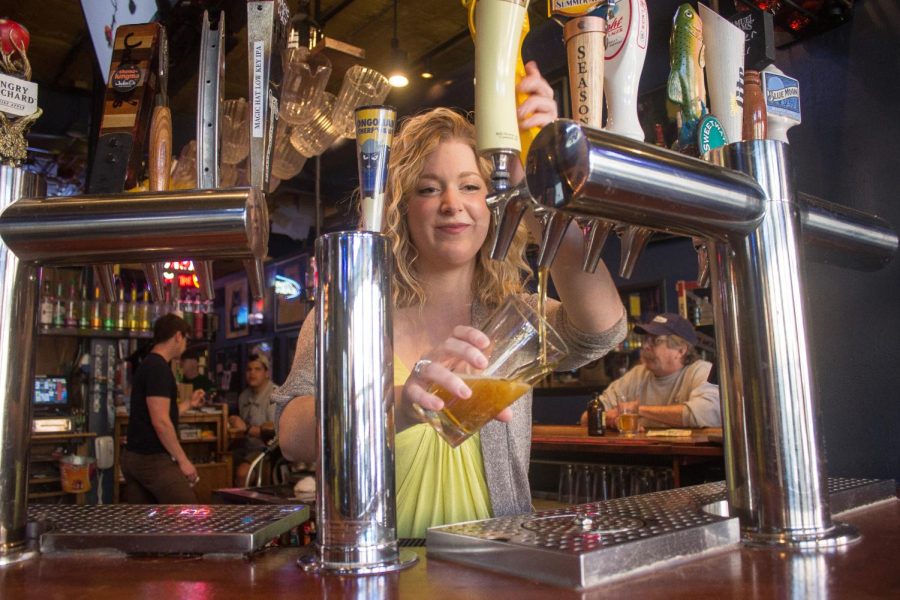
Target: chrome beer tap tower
(742, 203)
(104, 229)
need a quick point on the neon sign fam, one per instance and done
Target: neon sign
(181, 272)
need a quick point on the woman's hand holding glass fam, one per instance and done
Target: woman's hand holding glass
(436, 368)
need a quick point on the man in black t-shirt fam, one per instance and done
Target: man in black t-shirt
(156, 469)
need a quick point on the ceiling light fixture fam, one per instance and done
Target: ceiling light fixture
(397, 74)
(426, 70)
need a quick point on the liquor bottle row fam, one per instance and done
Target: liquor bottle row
(77, 310)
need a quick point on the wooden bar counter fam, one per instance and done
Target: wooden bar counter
(571, 442)
(866, 569)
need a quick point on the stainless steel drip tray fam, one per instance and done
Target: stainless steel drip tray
(162, 528)
(584, 545)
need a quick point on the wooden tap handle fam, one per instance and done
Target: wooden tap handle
(160, 154)
(585, 50)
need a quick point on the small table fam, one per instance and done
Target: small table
(564, 441)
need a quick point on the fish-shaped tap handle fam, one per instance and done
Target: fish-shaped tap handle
(685, 87)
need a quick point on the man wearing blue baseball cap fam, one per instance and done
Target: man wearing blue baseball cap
(671, 381)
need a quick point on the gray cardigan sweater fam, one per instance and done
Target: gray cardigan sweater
(505, 447)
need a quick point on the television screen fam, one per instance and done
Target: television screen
(50, 390)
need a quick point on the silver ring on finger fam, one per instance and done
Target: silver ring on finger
(420, 364)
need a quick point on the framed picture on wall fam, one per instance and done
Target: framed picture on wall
(287, 346)
(236, 309)
(290, 301)
(228, 369)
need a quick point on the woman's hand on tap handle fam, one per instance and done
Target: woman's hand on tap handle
(538, 109)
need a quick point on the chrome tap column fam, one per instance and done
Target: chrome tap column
(101, 229)
(774, 458)
(18, 305)
(751, 222)
(355, 504)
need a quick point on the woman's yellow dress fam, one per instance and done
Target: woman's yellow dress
(436, 484)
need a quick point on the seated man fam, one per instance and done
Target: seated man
(190, 372)
(671, 382)
(256, 414)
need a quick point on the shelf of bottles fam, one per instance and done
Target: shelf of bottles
(71, 309)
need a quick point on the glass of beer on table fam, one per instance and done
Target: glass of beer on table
(627, 419)
(518, 356)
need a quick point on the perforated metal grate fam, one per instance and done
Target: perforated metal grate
(581, 546)
(167, 529)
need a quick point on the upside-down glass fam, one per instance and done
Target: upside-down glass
(315, 136)
(361, 86)
(303, 83)
(286, 161)
(235, 131)
(516, 359)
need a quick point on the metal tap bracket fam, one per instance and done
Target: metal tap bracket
(589, 544)
(267, 27)
(162, 529)
(209, 106)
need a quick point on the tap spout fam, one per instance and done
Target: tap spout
(507, 207)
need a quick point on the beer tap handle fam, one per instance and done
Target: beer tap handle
(204, 272)
(702, 261)
(554, 232)
(595, 232)
(267, 28)
(585, 49)
(159, 157)
(256, 275)
(634, 239)
(526, 136)
(107, 281)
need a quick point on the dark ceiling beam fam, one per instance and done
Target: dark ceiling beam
(333, 12)
(445, 45)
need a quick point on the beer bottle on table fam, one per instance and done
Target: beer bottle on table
(596, 416)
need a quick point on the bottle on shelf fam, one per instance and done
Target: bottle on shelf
(187, 310)
(134, 323)
(121, 310)
(199, 317)
(84, 311)
(59, 307)
(48, 306)
(144, 312)
(72, 303)
(97, 310)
